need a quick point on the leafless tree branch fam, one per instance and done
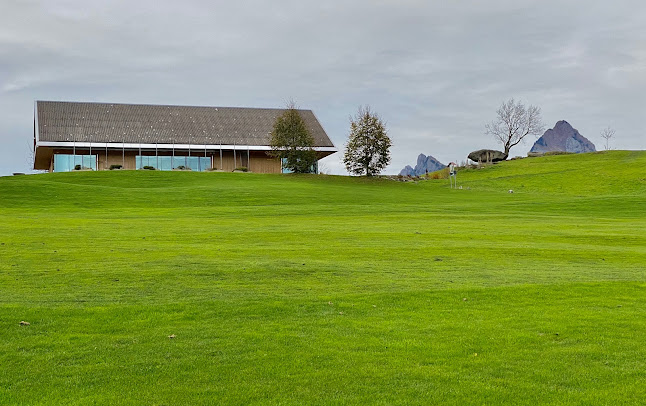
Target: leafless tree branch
(513, 123)
(607, 134)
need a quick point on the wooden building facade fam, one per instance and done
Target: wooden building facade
(102, 136)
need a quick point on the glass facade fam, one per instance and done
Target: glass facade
(313, 169)
(167, 163)
(67, 163)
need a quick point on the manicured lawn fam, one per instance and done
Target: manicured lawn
(327, 290)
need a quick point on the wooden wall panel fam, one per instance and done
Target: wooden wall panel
(118, 158)
(263, 163)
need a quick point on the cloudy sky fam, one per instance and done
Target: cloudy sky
(435, 71)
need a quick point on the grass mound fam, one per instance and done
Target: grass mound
(325, 289)
(608, 173)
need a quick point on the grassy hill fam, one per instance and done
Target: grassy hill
(325, 289)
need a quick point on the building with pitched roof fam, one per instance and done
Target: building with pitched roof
(100, 136)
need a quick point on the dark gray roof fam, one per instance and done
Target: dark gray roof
(142, 123)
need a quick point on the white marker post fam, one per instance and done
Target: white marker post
(453, 179)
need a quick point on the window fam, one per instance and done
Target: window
(167, 163)
(67, 163)
(313, 169)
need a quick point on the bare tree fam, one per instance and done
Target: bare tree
(31, 156)
(324, 169)
(607, 135)
(514, 123)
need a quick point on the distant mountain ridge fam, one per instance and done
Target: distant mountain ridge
(563, 137)
(424, 164)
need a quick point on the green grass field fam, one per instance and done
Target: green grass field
(298, 290)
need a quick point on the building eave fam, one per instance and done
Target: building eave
(164, 146)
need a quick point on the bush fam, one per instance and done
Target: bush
(181, 167)
(242, 169)
(441, 174)
(149, 168)
(113, 167)
(77, 167)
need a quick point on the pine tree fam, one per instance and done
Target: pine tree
(292, 142)
(368, 149)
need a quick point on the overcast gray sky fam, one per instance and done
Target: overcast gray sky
(435, 71)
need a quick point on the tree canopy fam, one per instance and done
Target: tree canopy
(292, 142)
(367, 151)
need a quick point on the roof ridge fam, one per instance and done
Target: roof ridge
(164, 105)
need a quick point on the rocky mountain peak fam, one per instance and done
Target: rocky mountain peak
(562, 126)
(424, 164)
(563, 137)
